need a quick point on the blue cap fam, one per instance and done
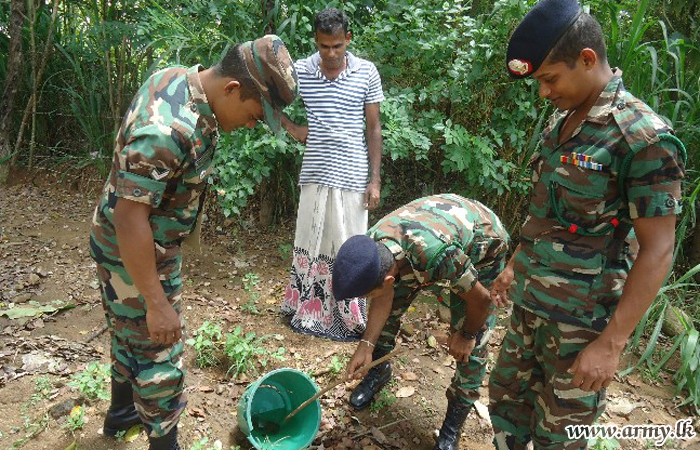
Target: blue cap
(538, 33)
(356, 268)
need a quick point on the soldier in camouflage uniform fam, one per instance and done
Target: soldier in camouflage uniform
(433, 242)
(598, 240)
(152, 201)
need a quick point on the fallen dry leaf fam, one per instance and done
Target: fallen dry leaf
(378, 435)
(409, 376)
(405, 392)
(432, 342)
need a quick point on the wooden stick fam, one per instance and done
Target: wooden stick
(364, 368)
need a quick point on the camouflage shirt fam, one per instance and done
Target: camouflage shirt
(163, 157)
(578, 244)
(442, 238)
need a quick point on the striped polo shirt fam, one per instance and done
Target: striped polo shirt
(336, 149)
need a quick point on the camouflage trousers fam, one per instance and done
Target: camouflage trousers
(531, 397)
(468, 377)
(155, 371)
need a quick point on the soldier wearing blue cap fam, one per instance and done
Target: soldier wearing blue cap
(608, 169)
(441, 238)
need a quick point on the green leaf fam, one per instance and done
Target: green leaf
(35, 309)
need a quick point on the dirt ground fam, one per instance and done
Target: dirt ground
(44, 258)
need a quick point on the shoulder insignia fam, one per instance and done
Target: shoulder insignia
(159, 174)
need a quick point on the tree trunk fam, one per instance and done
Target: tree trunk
(37, 79)
(14, 69)
(266, 215)
(267, 190)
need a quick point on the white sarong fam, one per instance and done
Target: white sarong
(326, 218)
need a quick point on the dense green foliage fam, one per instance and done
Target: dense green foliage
(452, 120)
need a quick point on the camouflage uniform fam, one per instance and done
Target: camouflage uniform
(163, 157)
(437, 241)
(578, 246)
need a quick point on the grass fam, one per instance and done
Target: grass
(33, 426)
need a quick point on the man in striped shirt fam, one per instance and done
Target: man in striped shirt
(340, 176)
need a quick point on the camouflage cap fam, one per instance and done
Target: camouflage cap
(271, 68)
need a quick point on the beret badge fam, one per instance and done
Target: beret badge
(520, 67)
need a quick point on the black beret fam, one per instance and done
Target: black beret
(356, 268)
(538, 33)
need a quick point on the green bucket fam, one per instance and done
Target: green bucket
(266, 403)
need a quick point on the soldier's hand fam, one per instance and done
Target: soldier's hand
(362, 357)
(595, 366)
(499, 289)
(461, 348)
(163, 323)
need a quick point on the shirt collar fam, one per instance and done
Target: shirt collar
(199, 98)
(607, 100)
(314, 65)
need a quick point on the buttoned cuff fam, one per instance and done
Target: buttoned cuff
(137, 188)
(654, 200)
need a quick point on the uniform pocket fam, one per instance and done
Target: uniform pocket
(578, 197)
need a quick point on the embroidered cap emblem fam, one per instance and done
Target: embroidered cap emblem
(519, 66)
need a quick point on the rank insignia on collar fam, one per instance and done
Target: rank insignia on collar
(520, 66)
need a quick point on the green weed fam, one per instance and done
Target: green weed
(384, 399)
(244, 350)
(32, 429)
(93, 381)
(76, 419)
(251, 280)
(207, 344)
(285, 251)
(43, 386)
(337, 364)
(603, 444)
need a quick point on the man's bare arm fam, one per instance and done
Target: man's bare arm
(595, 366)
(373, 134)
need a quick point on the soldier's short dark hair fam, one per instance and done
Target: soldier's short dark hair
(386, 262)
(233, 66)
(585, 32)
(330, 21)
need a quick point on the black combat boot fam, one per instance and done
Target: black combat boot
(122, 413)
(167, 442)
(452, 426)
(372, 383)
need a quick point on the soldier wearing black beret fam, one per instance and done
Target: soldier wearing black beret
(425, 245)
(608, 169)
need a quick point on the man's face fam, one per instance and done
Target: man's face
(233, 113)
(332, 48)
(565, 87)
